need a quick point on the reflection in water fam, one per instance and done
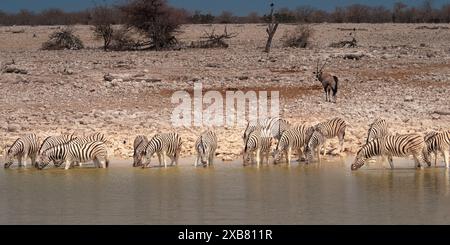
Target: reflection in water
(227, 193)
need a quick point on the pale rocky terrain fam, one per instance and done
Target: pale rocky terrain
(403, 76)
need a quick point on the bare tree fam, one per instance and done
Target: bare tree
(102, 19)
(271, 29)
(155, 19)
(213, 40)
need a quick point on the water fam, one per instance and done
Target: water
(227, 193)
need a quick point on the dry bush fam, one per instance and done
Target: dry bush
(213, 40)
(102, 19)
(156, 20)
(63, 39)
(122, 40)
(299, 37)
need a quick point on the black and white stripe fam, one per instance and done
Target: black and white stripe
(390, 146)
(206, 146)
(437, 142)
(378, 129)
(139, 144)
(52, 141)
(164, 145)
(75, 152)
(274, 125)
(22, 149)
(333, 128)
(294, 138)
(315, 144)
(257, 147)
(92, 138)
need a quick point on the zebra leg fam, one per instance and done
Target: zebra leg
(96, 163)
(391, 162)
(68, 163)
(324, 148)
(24, 158)
(19, 160)
(447, 158)
(177, 156)
(289, 152)
(196, 161)
(33, 161)
(435, 158)
(418, 158)
(159, 159)
(341, 141)
(211, 158)
(258, 158)
(164, 159)
(299, 153)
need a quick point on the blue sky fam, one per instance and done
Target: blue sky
(239, 7)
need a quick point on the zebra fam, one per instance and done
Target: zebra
(76, 152)
(93, 137)
(259, 143)
(166, 144)
(52, 141)
(325, 130)
(293, 138)
(378, 129)
(315, 144)
(275, 125)
(437, 142)
(22, 149)
(206, 146)
(138, 148)
(391, 145)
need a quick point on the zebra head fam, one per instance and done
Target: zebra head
(360, 160)
(9, 157)
(203, 152)
(309, 153)
(276, 154)
(43, 160)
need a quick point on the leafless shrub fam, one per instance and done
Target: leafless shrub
(63, 39)
(102, 19)
(212, 40)
(349, 43)
(122, 40)
(299, 37)
(155, 19)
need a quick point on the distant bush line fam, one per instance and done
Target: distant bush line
(356, 13)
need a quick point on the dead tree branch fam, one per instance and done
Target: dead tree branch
(271, 29)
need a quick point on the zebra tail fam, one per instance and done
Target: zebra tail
(335, 87)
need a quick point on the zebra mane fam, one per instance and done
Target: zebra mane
(9, 150)
(43, 142)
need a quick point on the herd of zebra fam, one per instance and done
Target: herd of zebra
(307, 141)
